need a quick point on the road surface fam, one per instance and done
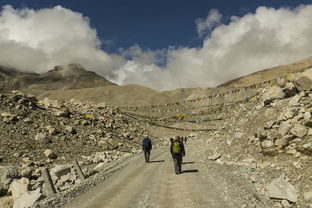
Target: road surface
(156, 185)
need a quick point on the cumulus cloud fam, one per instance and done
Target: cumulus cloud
(37, 40)
(266, 38)
(203, 26)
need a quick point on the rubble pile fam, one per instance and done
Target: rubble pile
(53, 134)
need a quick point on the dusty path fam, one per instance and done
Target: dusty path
(156, 185)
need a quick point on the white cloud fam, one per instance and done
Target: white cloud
(203, 26)
(37, 40)
(266, 38)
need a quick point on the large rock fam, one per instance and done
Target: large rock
(294, 101)
(18, 187)
(273, 93)
(307, 195)
(214, 157)
(284, 128)
(51, 103)
(281, 189)
(27, 199)
(304, 81)
(7, 174)
(288, 114)
(6, 202)
(99, 157)
(283, 141)
(60, 170)
(50, 154)
(70, 129)
(267, 144)
(42, 138)
(307, 116)
(299, 130)
(290, 89)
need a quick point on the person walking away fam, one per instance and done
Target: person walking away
(177, 151)
(147, 147)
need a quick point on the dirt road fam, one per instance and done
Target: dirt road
(155, 184)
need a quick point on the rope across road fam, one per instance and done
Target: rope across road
(170, 127)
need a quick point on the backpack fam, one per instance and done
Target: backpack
(146, 144)
(176, 147)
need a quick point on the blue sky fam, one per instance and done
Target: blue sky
(153, 24)
(157, 43)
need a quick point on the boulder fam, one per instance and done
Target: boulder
(28, 121)
(288, 114)
(7, 114)
(299, 130)
(60, 170)
(283, 141)
(269, 125)
(64, 112)
(49, 154)
(214, 157)
(304, 81)
(18, 187)
(52, 131)
(70, 129)
(99, 166)
(26, 172)
(267, 144)
(273, 93)
(42, 138)
(285, 204)
(279, 188)
(307, 195)
(307, 116)
(284, 128)
(51, 103)
(99, 157)
(290, 89)
(27, 199)
(308, 124)
(307, 145)
(7, 174)
(294, 101)
(6, 202)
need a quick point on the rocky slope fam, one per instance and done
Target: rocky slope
(54, 134)
(269, 140)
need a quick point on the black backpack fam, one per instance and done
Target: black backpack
(146, 144)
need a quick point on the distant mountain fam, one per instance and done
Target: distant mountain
(268, 74)
(73, 76)
(73, 81)
(11, 79)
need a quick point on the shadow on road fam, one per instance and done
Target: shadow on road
(185, 163)
(190, 171)
(157, 161)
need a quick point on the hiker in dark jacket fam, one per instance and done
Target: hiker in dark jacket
(147, 147)
(177, 151)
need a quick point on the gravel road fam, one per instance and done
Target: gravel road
(155, 184)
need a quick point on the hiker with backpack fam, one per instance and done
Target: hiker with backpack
(177, 151)
(147, 147)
